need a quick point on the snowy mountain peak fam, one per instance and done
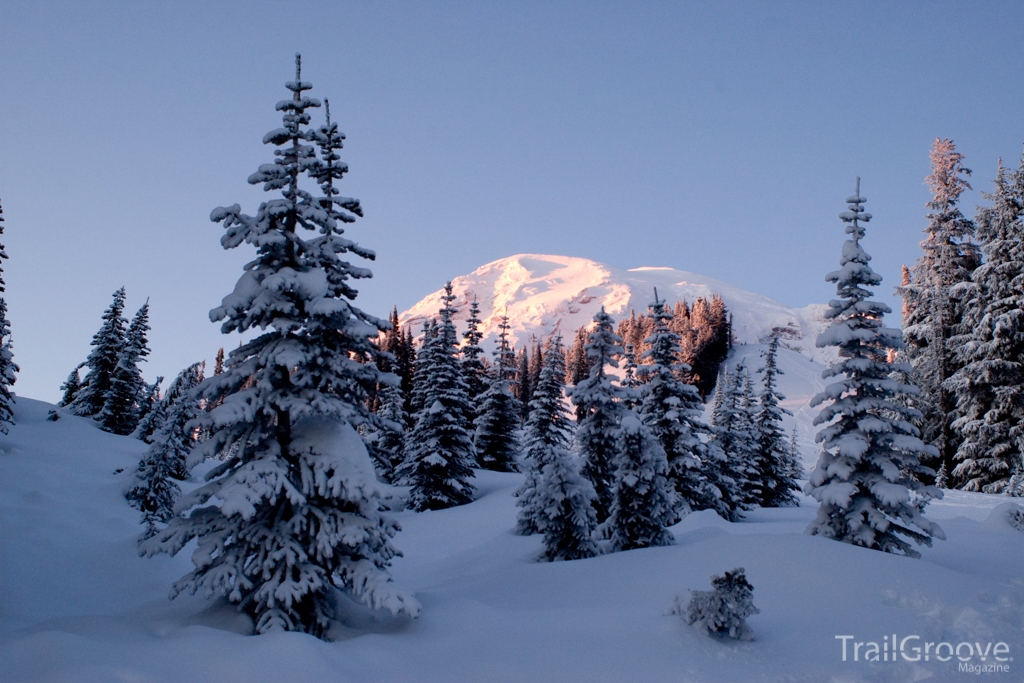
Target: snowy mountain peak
(543, 294)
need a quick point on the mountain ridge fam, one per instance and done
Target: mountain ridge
(545, 293)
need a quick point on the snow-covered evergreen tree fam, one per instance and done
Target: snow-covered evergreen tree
(777, 486)
(722, 611)
(869, 465)
(598, 399)
(935, 304)
(293, 510)
(630, 382)
(497, 422)
(989, 387)
(548, 432)
(672, 411)
(735, 472)
(107, 343)
(439, 450)
(120, 414)
(645, 503)
(473, 369)
(153, 489)
(8, 368)
(421, 368)
(942, 477)
(71, 386)
(794, 468)
(149, 401)
(388, 437)
(566, 500)
(556, 501)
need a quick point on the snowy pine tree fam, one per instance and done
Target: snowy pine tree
(120, 414)
(672, 410)
(8, 368)
(722, 611)
(989, 387)
(473, 369)
(153, 489)
(497, 422)
(388, 437)
(292, 513)
(149, 416)
(107, 343)
(548, 433)
(599, 401)
(794, 468)
(421, 368)
(630, 381)
(866, 473)
(555, 501)
(735, 472)
(777, 486)
(566, 500)
(644, 505)
(934, 303)
(71, 386)
(439, 450)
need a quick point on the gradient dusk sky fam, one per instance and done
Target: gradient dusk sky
(716, 137)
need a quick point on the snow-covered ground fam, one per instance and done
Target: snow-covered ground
(78, 604)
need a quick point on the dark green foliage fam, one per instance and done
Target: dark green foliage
(498, 417)
(120, 414)
(107, 343)
(777, 486)
(439, 452)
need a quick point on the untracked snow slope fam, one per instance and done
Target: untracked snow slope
(77, 604)
(543, 294)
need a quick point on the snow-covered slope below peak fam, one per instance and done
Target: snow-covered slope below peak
(543, 294)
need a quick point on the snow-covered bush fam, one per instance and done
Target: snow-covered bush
(1016, 518)
(724, 610)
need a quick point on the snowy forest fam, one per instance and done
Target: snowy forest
(283, 465)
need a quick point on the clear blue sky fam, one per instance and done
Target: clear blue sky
(715, 137)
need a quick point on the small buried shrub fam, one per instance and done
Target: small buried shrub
(724, 610)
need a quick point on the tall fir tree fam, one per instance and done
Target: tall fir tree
(524, 382)
(644, 503)
(71, 386)
(121, 410)
(107, 343)
(497, 422)
(735, 472)
(439, 450)
(672, 410)
(867, 476)
(555, 500)
(149, 402)
(548, 433)
(472, 360)
(567, 500)
(292, 513)
(8, 368)
(777, 486)
(795, 468)
(599, 400)
(933, 298)
(388, 437)
(421, 367)
(154, 489)
(989, 387)
(630, 380)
